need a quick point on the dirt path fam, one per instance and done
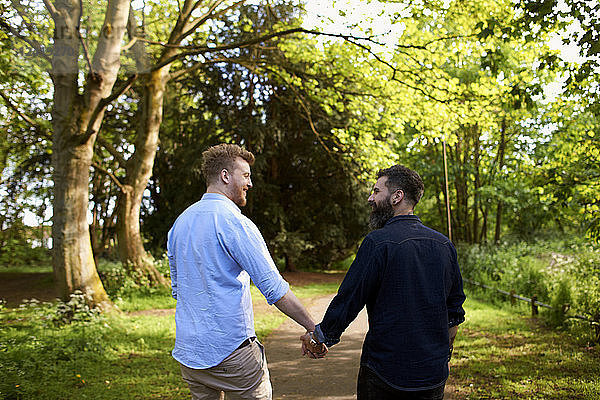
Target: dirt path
(16, 287)
(331, 378)
(297, 377)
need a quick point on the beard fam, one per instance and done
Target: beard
(238, 195)
(381, 214)
(240, 199)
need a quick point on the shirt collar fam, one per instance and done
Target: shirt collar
(398, 218)
(220, 197)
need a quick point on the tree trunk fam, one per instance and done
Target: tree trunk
(460, 220)
(73, 260)
(484, 225)
(477, 184)
(139, 169)
(76, 120)
(289, 266)
(138, 262)
(498, 222)
(501, 151)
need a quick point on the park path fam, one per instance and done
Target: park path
(295, 377)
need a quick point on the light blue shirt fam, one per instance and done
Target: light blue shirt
(214, 251)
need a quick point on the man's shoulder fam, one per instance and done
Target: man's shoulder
(203, 212)
(376, 235)
(397, 233)
(435, 234)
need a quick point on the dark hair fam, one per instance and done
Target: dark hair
(405, 179)
(215, 158)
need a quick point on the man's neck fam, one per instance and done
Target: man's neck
(216, 189)
(404, 212)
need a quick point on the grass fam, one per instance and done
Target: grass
(500, 353)
(138, 301)
(29, 269)
(120, 357)
(115, 356)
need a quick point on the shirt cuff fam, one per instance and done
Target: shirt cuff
(274, 294)
(322, 338)
(455, 321)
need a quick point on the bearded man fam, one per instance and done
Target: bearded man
(408, 277)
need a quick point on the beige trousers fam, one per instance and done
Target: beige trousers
(242, 375)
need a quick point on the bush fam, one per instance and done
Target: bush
(587, 286)
(19, 253)
(558, 272)
(50, 338)
(119, 282)
(561, 302)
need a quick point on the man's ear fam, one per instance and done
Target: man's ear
(225, 176)
(397, 197)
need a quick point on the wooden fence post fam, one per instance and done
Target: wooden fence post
(534, 307)
(513, 298)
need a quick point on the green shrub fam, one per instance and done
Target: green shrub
(17, 252)
(562, 271)
(119, 282)
(561, 302)
(77, 309)
(47, 340)
(587, 285)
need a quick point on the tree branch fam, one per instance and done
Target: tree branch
(121, 161)
(129, 44)
(196, 50)
(205, 49)
(187, 10)
(184, 14)
(22, 14)
(36, 46)
(83, 45)
(24, 117)
(193, 50)
(209, 14)
(181, 72)
(138, 49)
(109, 174)
(51, 9)
(102, 105)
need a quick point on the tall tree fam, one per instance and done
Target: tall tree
(83, 90)
(76, 118)
(190, 26)
(491, 82)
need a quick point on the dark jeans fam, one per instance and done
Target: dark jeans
(371, 387)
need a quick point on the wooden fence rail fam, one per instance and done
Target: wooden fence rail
(535, 304)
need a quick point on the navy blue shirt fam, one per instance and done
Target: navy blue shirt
(408, 277)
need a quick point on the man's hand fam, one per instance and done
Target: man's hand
(311, 347)
(452, 335)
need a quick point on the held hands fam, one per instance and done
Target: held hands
(312, 347)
